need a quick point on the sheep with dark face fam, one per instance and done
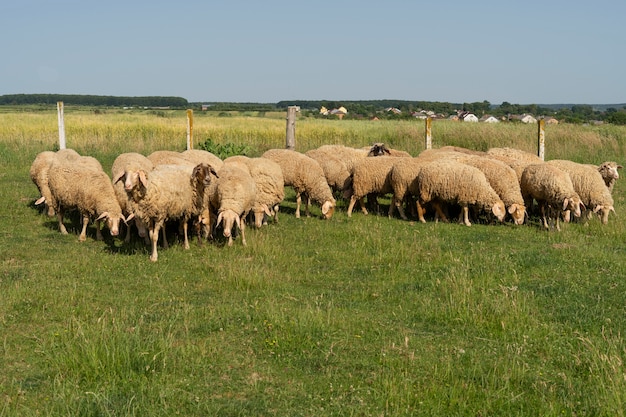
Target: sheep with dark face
(380, 149)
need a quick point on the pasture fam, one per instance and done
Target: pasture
(360, 316)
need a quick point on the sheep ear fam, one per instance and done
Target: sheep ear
(582, 206)
(597, 208)
(219, 218)
(40, 200)
(103, 215)
(213, 171)
(513, 208)
(143, 178)
(619, 167)
(565, 203)
(612, 209)
(266, 209)
(118, 177)
(130, 217)
(238, 222)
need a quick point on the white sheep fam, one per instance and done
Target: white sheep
(452, 182)
(165, 157)
(513, 153)
(553, 190)
(199, 156)
(589, 185)
(609, 172)
(371, 176)
(231, 196)
(348, 155)
(338, 176)
(270, 186)
(123, 165)
(306, 177)
(403, 179)
(167, 192)
(39, 175)
(82, 185)
(504, 181)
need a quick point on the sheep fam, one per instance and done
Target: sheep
(371, 176)
(231, 196)
(80, 184)
(553, 190)
(513, 153)
(609, 173)
(198, 156)
(336, 171)
(589, 185)
(39, 175)
(305, 175)
(270, 186)
(462, 150)
(164, 193)
(456, 183)
(403, 177)
(126, 164)
(380, 149)
(504, 181)
(349, 156)
(170, 158)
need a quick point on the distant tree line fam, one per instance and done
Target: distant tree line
(357, 109)
(90, 100)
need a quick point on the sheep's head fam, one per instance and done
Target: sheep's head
(499, 210)
(328, 208)
(517, 212)
(113, 222)
(202, 175)
(603, 212)
(609, 170)
(230, 219)
(574, 204)
(379, 149)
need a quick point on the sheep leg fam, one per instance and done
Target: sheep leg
(98, 231)
(62, 228)
(185, 227)
(306, 208)
(543, 216)
(465, 213)
(127, 238)
(243, 233)
(154, 238)
(420, 211)
(439, 212)
(83, 233)
(298, 203)
(166, 245)
(353, 200)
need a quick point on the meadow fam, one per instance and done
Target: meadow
(360, 316)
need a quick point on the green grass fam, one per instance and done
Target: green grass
(361, 316)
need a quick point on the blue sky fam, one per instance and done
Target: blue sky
(533, 52)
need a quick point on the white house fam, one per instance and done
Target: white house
(469, 117)
(527, 118)
(489, 119)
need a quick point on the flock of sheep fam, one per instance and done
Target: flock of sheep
(196, 187)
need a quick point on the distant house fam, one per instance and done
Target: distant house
(488, 119)
(527, 118)
(340, 112)
(393, 110)
(468, 117)
(324, 111)
(550, 121)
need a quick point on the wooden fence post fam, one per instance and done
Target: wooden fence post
(189, 129)
(291, 127)
(61, 123)
(429, 133)
(541, 139)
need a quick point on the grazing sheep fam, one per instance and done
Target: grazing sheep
(80, 184)
(305, 175)
(39, 175)
(456, 183)
(336, 171)
(371, 176)
(349, 156)
(462, 150)
(168, 192)
(403, 179)
(553, 190)
(513, 153)
(125, 164)
(231, 196)
(589, 185)
(170, 158)
(505, 183)
(270, 186)
(380, 149)
(199, 156)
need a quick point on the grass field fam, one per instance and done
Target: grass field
(361, 316)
